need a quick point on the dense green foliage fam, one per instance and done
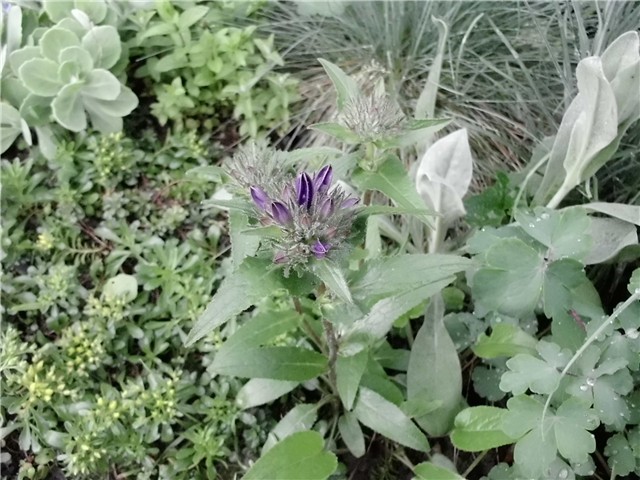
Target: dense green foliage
(179, 306)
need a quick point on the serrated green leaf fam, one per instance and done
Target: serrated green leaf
(392, 180)
(349, 371)
(434, 371)
(388, 420)
(506, 340)
(300, 456)
(254, 280)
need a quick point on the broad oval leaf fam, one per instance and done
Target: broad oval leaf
(55, 40)
(479, 428)
(300, 456)
(434, 371)
(349, 371)
(352, 434)
(298, 419)
(103, 43)
(259, 391)
(40, 76)
(68, 109)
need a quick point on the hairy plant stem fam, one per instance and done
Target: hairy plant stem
(332, 344)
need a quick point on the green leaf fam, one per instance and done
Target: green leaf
(172, 61)
(40, 76)
(210, 173)
(122, 286)
(386, 276)
(10, 122)
(434, 371)
(528, 372)
(298, 419)
(101, 84)
(103, 44)
(511, 282)
(57, 9)
(259, 330)
(67, 108)
(96, 10)
(55, 40)
(351, 434)
(329, 273)
(191, 16)
(19, 57)
(106, 114)
(277, 363)
(492, 206)
(506, 340)
(392, 180)
(564, 232)
(387, 419)
(349, 371)
(431, 471)
(634, 282)
(621, 211)
(79, 57)
(620, 456)
(338, 131)
(259, 391)
(479, 428)
(254, 280)
(242, 245)
(345, 86)
(298, 457)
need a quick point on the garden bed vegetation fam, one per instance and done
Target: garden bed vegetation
(320, 240)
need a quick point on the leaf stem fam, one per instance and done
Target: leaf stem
(332, 343)
(474, 464)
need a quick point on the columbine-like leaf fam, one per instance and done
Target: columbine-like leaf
(387, 419)
(300, 456)
(564, 232)
(506, 340)
(434, 371)
(620, 455)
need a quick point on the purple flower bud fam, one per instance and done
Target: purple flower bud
(304, 188)
(280, 213)
(326, 208)
(280, 257)
(260, 197)
(320, 249)
(322, 180)
(349, 202)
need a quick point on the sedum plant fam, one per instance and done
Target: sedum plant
(63, 74)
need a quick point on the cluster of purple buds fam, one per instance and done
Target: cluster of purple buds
(313, 217)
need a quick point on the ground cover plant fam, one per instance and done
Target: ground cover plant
(343, 298)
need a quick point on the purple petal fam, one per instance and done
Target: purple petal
(304, 188)
(349, 202)
(280, 213)
(322, 180)
(280, 257)
(320, 249)
(260, 197)
(326, 208)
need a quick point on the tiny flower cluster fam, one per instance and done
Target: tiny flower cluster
(314, 218)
